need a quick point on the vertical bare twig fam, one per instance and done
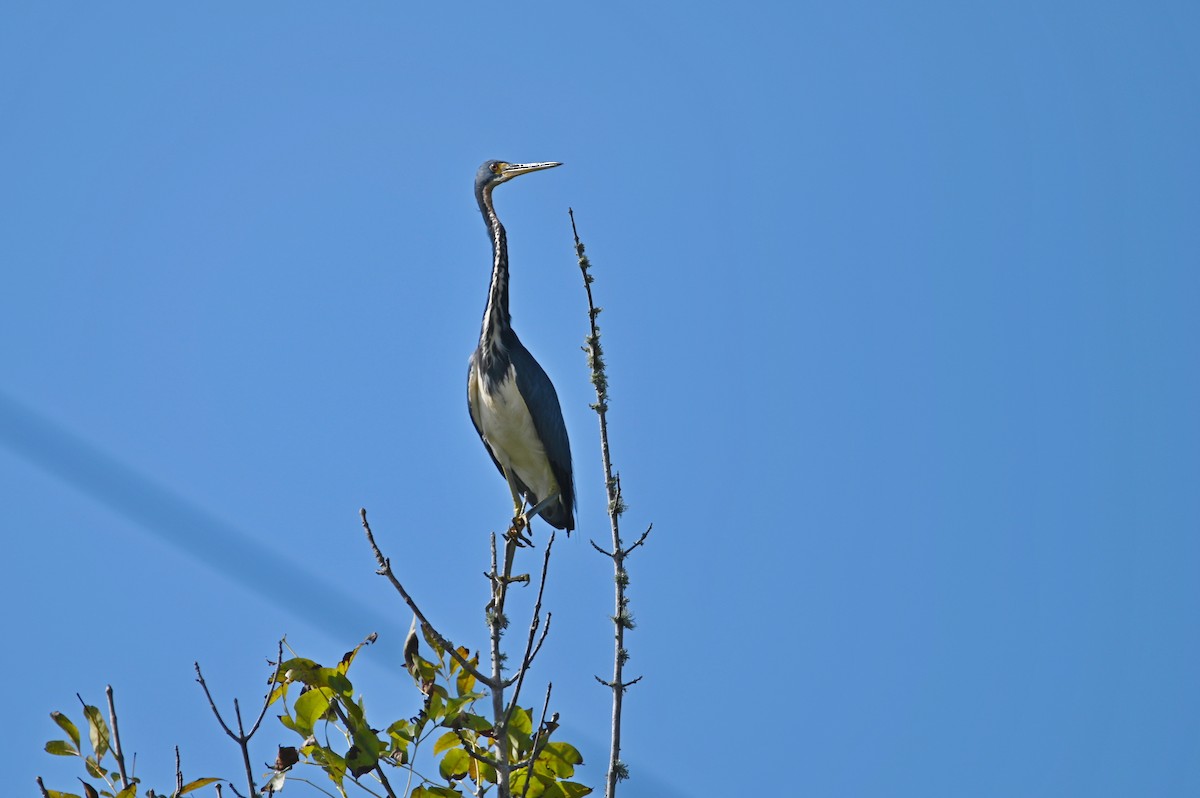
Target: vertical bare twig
(178, 774)
(622, 619)
(116, 737)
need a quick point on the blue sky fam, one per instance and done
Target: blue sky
(900, 307)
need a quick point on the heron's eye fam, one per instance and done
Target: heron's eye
(495, 168)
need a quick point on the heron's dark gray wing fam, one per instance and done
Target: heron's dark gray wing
(542, 400)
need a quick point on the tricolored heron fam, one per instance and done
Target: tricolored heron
(513, 403)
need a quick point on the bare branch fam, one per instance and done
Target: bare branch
(640, 541)
(469, 748)
(385, 569)
(270, 689)
(241, 737)
(539, 741)
(534, 623)
(616, 506)
(212, 705)
(116, 735)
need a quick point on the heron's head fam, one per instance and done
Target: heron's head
(493, 173)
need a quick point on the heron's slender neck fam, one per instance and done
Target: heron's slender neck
(495, 316)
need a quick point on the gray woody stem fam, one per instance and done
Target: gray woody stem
(622, 619)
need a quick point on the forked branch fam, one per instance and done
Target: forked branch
(622, 619)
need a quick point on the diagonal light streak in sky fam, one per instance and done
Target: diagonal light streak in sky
(224, 548)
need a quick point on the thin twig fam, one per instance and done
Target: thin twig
(536, 649)
(538, 742)
(496, 624)
(534, 623)
(116, 737)
(383, 779)
(241, 737)
(616, 506)
(385, 569)
(640, 540)
(469, 748)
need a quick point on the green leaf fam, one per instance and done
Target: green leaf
(465, 683)
(128, 792)
(455, 705)
(59, 794)
(436, 792)
(535, 788)
(338, 682)
(356, 715)
(66, 725)
(455, 764)
(561, 759)
(445, 742)
(571, 789)
(402, 729)
(309, 709)
(61, 748)
(197, 784)
(475, 722)
(334, 765)
(97, 731)
(93, 768)
(426, 670)
(288, 723)
(427, 632)
(436, 709)
(279, 692)
(366, 739)
(487, 773)
(520, 722)
(299, 669)
(360, 761)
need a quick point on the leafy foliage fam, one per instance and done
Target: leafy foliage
(318, 704)
(111, 783)
(338, 739)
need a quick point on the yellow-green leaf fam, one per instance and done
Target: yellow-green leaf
(360, 761)
(97, 731)
(435, 792)
(197, 784)
(455, 764)
(561, 759)
(445, 742)
(61, 748)
(66, 725)
(520, 722)
(465, 683)
(309, 709)
(427, 633)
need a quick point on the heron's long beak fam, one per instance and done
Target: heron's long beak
(511, 170)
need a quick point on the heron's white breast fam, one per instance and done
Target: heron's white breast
(508, 427)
